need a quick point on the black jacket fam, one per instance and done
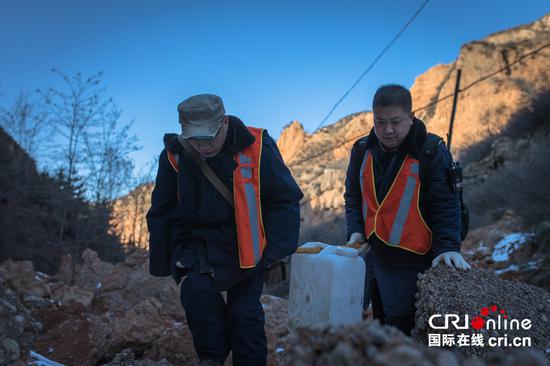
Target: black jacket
(395, 269)
(204, 217)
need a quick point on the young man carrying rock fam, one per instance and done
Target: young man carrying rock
(409, 223)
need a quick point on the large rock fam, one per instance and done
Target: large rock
(72, 335)
(66, 270)
(129, 283)
(481, 295)
(90, 273)
(140, 326)
(175, 344)
(21, 277)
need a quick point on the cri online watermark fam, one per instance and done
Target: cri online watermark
(490, 319)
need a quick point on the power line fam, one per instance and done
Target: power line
(388, 46)
(373, 63)
(483, 78)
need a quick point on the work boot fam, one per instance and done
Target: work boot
(206, 362)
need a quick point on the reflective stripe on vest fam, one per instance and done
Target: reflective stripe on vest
(246, 192)
(397, 221)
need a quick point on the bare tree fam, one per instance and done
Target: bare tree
(107, 162)
(72, 113)
(26, 122)
(92, 146)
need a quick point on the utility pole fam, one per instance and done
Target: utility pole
(455, 99)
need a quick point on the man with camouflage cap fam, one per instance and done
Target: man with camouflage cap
(223, 208)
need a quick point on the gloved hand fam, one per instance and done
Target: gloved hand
(452, 259)
(357, 241)
(356, 238)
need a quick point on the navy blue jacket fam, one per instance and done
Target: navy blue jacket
(395, 269)
(204, 218)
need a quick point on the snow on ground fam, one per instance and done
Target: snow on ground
(525, 267)
(509, 244)
(511, 268)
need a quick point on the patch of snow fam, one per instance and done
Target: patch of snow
(512, 268)
(509, 244)
(480, 249)
(533, 264)
(39, 360)
(98, 285)
(279, 350)
(36, 277)
(177, 324)
(273, 298)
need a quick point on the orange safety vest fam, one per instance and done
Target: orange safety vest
(397, 221)
(246, 193)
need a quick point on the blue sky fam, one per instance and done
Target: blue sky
(271, 61)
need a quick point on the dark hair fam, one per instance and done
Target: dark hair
(393, 94)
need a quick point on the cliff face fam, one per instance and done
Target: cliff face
(486, 107)
(128, 219)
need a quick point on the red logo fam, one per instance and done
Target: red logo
(478, 322)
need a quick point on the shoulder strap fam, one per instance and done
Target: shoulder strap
(428, 151)
(207, 171)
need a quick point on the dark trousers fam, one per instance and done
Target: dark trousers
(403, 323)
(217, 327)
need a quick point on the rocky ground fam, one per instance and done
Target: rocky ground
(98, 313)
(103, 314)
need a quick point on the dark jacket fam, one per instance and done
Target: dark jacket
(395, 269)
(203, 218)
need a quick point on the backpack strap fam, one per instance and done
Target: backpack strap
(455, 177)
(428, 152)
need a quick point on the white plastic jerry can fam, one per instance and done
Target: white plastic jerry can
(326, 287)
